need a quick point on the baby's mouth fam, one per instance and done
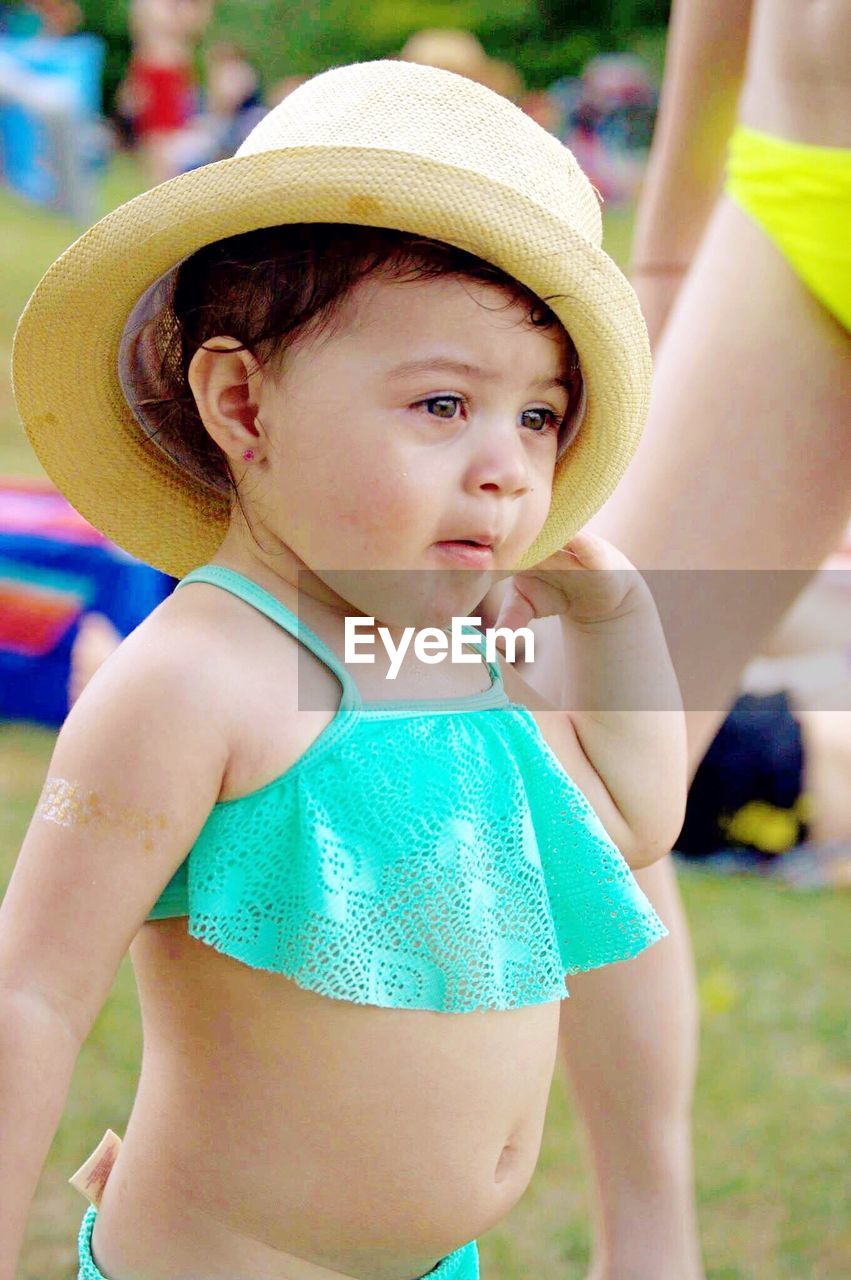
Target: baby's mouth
(467, 551)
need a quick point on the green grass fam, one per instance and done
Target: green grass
(30, 239)
(771, 1127)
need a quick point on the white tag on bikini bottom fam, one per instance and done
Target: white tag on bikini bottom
(91, 1177)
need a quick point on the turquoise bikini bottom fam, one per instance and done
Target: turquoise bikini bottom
(463, 1264)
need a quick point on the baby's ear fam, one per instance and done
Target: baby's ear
(223, 379)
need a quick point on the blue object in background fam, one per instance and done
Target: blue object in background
(50, 109)
(71, 579)
(20, 20)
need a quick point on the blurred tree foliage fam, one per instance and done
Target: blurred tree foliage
(544, 39)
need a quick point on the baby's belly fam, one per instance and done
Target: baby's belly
(798, 83)
(280, 1134)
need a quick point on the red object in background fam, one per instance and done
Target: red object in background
(54, 567)
(36, 614)
(162, 99)
(33, 618)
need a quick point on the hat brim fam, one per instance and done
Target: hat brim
(66, 348)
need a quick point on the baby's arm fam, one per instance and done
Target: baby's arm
(136, 769)
(621, 734)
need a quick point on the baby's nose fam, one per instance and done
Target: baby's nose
(500, 464)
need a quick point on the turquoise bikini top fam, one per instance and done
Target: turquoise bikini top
(418, 855)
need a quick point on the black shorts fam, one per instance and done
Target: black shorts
(747, 792)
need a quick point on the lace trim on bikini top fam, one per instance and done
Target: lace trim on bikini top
(420, 855)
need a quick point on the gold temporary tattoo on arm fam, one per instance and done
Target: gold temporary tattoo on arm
(68, 805)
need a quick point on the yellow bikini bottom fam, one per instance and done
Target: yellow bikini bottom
(801, 197)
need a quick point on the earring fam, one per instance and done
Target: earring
(248, 455)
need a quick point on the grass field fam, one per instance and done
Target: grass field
(772, 1101)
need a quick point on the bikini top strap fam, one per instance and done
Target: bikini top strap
(476, 637)
(237, 584)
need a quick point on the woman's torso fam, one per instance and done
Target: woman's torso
(270, 1122)
(798, 79)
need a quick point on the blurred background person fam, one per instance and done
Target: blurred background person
(450, 48)
(58, 17)
(280, 89)
(54, 142)
(41, 18)
(232, 92)
(605, 116)
(503, 78)
(458, 50)
(230, 105)
(159, 93)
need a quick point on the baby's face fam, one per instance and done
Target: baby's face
(427, 416)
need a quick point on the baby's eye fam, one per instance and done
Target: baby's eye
(539, 420)
(445, 407)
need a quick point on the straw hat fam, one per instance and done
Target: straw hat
(384, 144)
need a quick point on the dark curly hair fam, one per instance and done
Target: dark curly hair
(270, 289)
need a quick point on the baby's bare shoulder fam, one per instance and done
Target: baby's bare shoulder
(200, 646)
(225, 674)
(172, 657)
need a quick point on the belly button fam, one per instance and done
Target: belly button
(506, 1159)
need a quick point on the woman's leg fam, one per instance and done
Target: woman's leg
(742, 484)
(745, 467)
(827, 768)
(629, 1038)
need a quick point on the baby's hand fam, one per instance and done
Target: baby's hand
(589, 580)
